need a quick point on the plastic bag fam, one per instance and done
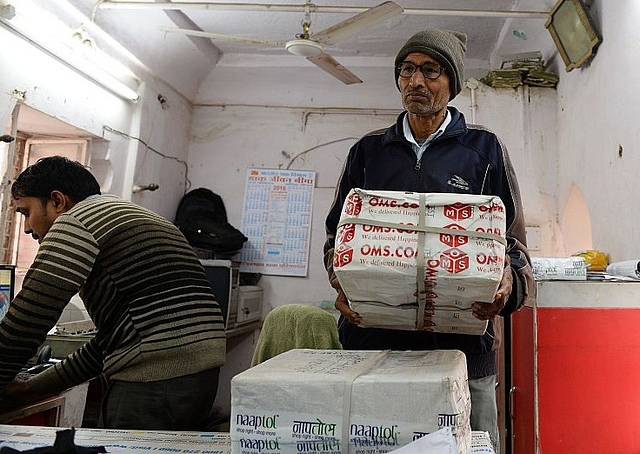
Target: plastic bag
(594, 259)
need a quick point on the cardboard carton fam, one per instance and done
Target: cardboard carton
(411, 261)
(345, 401)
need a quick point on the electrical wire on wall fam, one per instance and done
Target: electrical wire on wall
(150, 148)
(302, 153)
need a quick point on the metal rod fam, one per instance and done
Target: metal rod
(177, 5)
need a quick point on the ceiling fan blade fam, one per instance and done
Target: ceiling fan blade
(330, 65)
(357, 23)
(239, 39)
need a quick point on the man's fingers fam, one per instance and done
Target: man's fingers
(342, 305)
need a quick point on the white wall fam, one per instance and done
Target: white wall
(163, 160)
(40, 81)
(33, 77)
(599, 133)
(525, 120)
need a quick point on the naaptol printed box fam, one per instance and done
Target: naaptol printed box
(349, 402)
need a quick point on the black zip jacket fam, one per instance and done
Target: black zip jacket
(465, 159)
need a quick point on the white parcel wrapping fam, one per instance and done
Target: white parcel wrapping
(559, 268)
(349, 401)
(397, 252)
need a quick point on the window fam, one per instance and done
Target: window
(24, 246)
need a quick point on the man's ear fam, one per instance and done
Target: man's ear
(60, 201)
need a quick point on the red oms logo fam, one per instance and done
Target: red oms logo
(454, 261)
(353, 204)
(458, 211)
(342, 256)
(454, 240)
(345, 233)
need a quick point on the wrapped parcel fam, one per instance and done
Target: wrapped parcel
(349, 401)
(559, 268)
(418, 261)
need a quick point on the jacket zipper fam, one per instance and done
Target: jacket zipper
(418, 165)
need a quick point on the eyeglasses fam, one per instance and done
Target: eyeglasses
(429, 70)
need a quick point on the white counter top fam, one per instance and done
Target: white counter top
(588, 294)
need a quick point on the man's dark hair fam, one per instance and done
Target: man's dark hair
(55, 173)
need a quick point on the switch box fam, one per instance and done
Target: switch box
(249, 304)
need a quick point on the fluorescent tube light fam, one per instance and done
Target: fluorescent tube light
(73, 48)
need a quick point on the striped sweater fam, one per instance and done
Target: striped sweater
(142, 285)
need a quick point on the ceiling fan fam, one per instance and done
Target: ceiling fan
(311, 46)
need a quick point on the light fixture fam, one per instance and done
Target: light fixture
(74, 48)
(573, 32)
(108, 72)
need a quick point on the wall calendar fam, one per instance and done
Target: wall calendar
(276, 219)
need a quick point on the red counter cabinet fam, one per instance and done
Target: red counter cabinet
(575, 369)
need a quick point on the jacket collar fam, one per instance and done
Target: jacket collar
(457, 126)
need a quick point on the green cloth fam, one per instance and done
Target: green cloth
(296, 326)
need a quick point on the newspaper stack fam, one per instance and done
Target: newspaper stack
(527, 69)
(540, 78)
(503, 78)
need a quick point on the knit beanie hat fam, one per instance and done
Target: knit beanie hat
(447, 47)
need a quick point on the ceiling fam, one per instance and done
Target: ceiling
(495, 28)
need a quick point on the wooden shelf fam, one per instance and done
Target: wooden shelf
(45, 412)
(244, 329)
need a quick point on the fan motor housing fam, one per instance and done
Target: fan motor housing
(303, 47)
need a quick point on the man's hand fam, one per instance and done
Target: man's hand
(485, 311)
(342, 304)
(16, 388)
(16, 394)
